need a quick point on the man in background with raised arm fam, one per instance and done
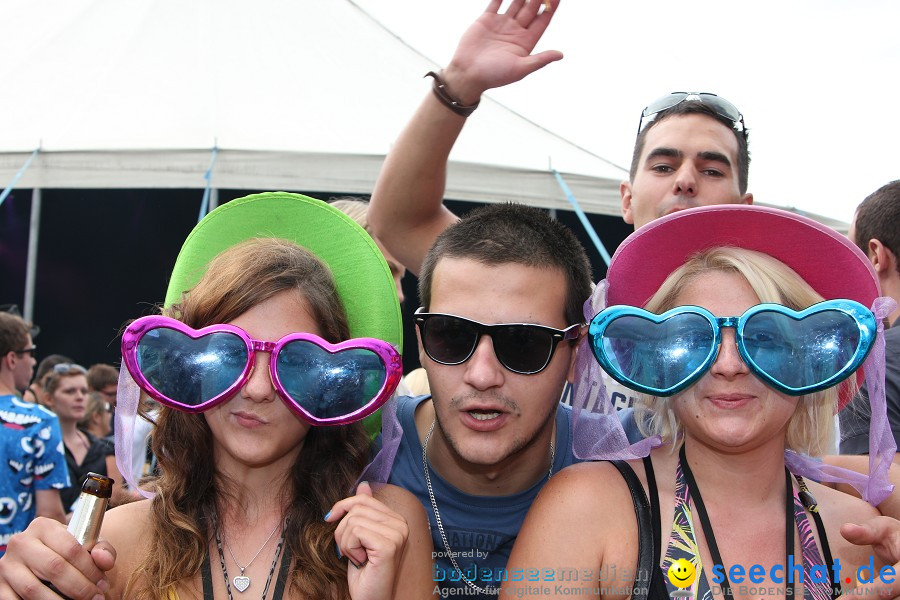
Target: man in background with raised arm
(692, 149)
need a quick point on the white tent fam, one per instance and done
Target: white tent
(294, 94)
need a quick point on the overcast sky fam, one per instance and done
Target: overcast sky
(817, 81)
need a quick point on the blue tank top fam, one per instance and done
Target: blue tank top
(481, 530)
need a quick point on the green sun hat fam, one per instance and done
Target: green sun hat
(363, 278)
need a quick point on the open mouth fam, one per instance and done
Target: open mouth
(483, 415)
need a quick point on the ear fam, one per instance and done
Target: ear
(8, 361)
(576, 345)
(625, 193)
(419, 344)
(746, 198)
(422, 355)
(882, 258)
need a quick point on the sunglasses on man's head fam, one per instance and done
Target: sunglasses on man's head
(720, 105)
(794, 352)
(323, 383)
(520, 347)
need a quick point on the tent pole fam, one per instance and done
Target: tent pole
(18, 175)
(31, 265)
(582, 217)
(204, 205)
(213, 199)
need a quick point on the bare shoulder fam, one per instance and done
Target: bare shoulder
(584, 489)
(599, 477)
(127, 529)
(583, 519)
(835, 505)
(836, 509)
(401, 501)
(395, 496)
(127, 523)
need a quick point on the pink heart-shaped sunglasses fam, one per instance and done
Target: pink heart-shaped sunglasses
(322, 383)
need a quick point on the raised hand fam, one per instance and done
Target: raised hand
(372, 537)
(497, 48)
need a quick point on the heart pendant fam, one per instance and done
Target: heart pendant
(241, 582)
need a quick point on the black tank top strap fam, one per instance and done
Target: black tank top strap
(648, 553)
(206, 577)
(278, 592)
(653, 492)
(836, 588)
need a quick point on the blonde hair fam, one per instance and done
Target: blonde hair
(811, 428)
(355, 208)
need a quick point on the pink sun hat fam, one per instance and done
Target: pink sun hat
(825, 259)
(829, 262)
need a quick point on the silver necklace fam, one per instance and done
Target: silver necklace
(437, 515)
(242, 582)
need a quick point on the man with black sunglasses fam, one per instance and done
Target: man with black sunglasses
(30, 439)
(502, 292)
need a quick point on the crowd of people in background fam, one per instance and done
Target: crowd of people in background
(480, 467)
(58, 427)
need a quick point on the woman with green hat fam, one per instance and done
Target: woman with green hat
(280, 334)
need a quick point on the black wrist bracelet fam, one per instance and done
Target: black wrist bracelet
(440, 91)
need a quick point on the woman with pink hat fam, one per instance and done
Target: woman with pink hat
(742, 327)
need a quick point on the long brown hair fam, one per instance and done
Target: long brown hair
(183, 511)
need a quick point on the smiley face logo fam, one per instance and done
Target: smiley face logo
(682, 573)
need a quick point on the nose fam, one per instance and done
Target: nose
(686, 180)
(729, 363)
(483, 370)
(259, 386)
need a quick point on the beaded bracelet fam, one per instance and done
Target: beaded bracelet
(440, 91)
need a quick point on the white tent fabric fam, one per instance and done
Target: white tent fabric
(295, 94)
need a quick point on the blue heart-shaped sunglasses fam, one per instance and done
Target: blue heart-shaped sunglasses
(794, 352)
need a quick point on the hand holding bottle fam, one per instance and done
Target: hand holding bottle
(43, 553)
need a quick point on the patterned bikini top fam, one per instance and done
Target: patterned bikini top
(683, 543)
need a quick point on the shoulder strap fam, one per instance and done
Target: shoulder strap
(654, 509)
(278, 592)
(809, 503)
(206, 577)
(645, 562)
(826, 551)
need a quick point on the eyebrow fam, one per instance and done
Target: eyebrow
(708, 155)
(667, 152)
(715, 157)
